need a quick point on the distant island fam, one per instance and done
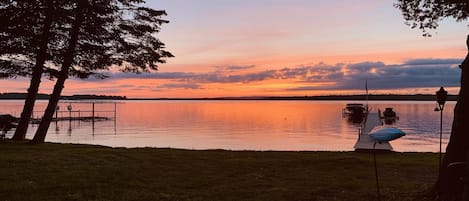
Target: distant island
(381, 97)
(22, 96)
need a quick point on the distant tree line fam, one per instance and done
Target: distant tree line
(22, 96)
(377, 97)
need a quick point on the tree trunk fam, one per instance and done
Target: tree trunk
(452, 180)
(41, 132)
(69, 55)
(33, 89)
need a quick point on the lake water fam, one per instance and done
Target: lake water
(238, 125)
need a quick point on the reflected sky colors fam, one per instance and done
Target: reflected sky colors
(241, 125)
(285, 48)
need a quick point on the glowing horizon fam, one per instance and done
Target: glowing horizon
(285, 48)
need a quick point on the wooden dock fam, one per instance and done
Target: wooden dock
(364, 141)
(88, 118)
(79, 115)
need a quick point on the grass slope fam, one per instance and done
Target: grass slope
(83, 172)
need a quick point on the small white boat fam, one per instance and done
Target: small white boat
(386, 134)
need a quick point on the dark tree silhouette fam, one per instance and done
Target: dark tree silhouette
(425, 15)
(24, 36)
(80, 38)
(105, 33)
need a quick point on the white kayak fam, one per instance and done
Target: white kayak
(386, 134)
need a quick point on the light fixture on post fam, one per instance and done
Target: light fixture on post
(441, 96)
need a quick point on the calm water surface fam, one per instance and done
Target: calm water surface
(238, 125)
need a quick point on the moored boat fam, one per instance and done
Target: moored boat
(356, 109)
(389, 116)
(355, 112)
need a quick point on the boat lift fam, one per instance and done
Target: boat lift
(364, 141)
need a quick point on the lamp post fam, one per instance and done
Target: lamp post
(441, 96)
(380, 136)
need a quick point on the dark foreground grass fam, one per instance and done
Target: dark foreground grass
(82, 172)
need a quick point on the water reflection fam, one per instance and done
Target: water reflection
(242, 125)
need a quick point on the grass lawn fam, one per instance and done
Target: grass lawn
(83, 172)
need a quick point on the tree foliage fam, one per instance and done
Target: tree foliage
(113, 33)
(427, 14)
(26, 34)
(104, 34)
(117, 34)
(20, 36)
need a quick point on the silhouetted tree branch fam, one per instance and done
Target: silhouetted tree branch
(453, 179)
(426, 14)
(24, 36)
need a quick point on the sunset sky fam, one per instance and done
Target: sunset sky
(283, 48)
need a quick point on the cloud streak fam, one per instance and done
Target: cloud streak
(179, 86)
(234, 68)
(411, 74)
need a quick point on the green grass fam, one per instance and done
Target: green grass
(83, 172)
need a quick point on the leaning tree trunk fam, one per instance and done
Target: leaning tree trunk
(33, 89)
(452, 180)
(41, 132)
(69, 55)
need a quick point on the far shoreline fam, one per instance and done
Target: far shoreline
(361, 97)
(385, 97)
